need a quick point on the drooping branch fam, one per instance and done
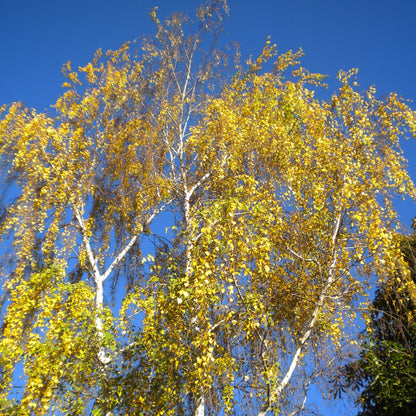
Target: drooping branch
(276, 393)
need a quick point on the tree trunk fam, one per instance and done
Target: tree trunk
(199, 406)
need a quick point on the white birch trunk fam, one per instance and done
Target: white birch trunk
(275, 395)
(199, 406)
(199, 401)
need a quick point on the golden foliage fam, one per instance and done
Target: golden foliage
(279, 207)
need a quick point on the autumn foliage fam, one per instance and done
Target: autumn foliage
(185, 234)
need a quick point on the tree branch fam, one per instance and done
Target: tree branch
(295, 359)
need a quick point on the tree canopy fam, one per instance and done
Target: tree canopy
(187, 234)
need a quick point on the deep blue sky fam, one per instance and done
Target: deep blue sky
(37, 37)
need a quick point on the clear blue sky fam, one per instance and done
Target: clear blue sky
(38, 36)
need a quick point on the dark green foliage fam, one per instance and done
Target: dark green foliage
(385, 374)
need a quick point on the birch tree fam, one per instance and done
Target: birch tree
(189, 235)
